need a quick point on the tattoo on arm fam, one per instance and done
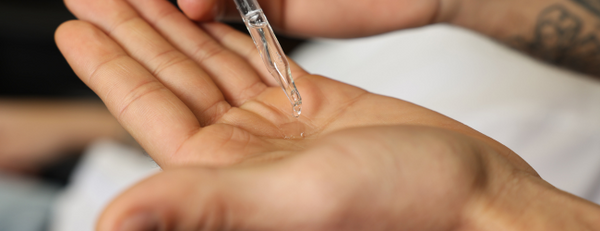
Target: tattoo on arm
(559, 38)
(591, 5)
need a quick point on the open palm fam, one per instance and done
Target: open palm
(195, 95)
(198, 98)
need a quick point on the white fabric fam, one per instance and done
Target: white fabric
(107, 169)
(25, 203)
(550, 116)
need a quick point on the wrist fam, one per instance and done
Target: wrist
(526, 202)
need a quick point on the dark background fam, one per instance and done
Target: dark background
(30, 63)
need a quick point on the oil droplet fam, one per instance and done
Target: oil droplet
(296, 102)
(293, 130)
(297, 110)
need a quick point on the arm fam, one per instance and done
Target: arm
(561, 32)
(35, 132)
(564, 32)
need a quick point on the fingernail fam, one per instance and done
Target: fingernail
(140, 222)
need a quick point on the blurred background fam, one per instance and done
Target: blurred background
(32, 70)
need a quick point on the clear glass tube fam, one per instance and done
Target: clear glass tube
(270, 50)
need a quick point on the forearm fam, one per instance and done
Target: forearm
(87, 120)
(561, 32)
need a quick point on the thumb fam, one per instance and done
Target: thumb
(218, 199)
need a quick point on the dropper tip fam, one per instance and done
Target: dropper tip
(297, 110)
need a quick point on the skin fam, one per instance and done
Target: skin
(35, 132)
(200, 103)
(532, 26)
(561, 32)
(329, 18)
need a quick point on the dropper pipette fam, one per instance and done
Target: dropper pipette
(270, 50)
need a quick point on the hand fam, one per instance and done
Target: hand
(562, 32)
(196, 99)
(326, 18)
(203, 97)
(370, 178)
(34, 133)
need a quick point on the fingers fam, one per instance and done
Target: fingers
(243, 46)
(207, 10)
(153, 115)
(236, 79)
(172, 68)
(204, 10)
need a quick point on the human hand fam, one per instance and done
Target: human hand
(326, 18)
(369, 178)
(562, 32)
(368, 162)
(191, 97)
(34, 133)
